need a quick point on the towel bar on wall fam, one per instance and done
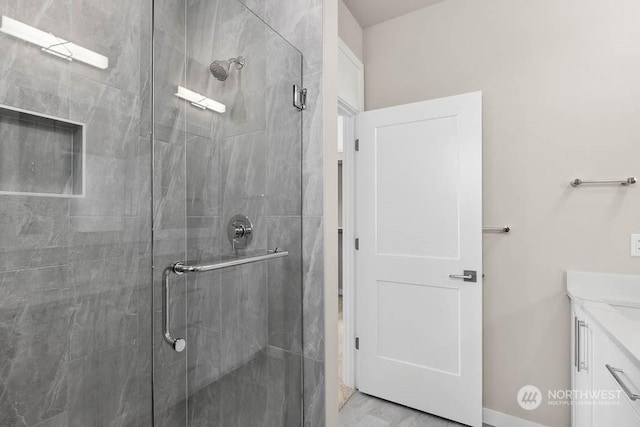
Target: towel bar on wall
(627, 181)
(505, 229)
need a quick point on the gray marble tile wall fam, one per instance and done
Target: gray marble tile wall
(75, 274)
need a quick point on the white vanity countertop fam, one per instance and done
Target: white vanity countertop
(595, 291)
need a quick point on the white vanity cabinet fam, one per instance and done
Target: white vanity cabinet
(604, 376)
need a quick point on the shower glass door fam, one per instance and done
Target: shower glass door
(227, 149)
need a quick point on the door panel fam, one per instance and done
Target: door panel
(419, 220)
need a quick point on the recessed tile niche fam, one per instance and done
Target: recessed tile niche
(40, 155)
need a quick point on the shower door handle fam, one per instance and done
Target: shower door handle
(180, 268)
(178, 344)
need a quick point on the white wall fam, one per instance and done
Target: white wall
(561, 83)
(349, 30)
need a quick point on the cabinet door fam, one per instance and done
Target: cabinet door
(611, 407)
(582, 360)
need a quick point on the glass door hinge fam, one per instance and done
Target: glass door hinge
(299, 97)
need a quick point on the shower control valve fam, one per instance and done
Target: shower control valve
(239, 231)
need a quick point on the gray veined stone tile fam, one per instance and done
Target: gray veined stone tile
(203, 242)
(145, 67)
(285, 284)
(34, 329)
(364, 410)
(312, 148)
(170, 186)
(203, 358)
(284, 61)
(170, 395)
(61, 420)
(313, 286)
(170, 17)
(204, 301)
(284, 152)
(145, 337)
(314, 402)
(243, 91)
(104, 304)
(108, 188)
(256, 6)
(203, 176)
(284, 403)
(205, 406)
(244, 314)
(243, 185)
(32, 79)
(200, 37)
(110, 28)
(34, 232)
(169, 110)
(110, 115)
(28, 222)
(235, 412)
(103, 388)
(300, 22)
(92, 238)
(49, 16)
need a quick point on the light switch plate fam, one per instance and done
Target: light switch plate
(635, 245)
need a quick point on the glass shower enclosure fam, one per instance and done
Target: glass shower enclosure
(150, 216)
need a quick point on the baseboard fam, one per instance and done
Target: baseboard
(498, 419)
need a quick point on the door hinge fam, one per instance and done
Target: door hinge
(357, 244)
(357, 145)
(357, 343)
(299, 97)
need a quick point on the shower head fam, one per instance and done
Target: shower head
(220, 68)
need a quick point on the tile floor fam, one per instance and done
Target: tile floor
(366, 411)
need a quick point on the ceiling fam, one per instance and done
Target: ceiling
(371, 12)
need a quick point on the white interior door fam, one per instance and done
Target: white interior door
(418, 221)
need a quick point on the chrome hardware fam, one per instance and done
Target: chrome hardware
(576, 343)
(240, 232)
(469, 276)
(179, 268)
(628, 181)
(357, 343)
(357, 244)
(579, 363)
(299, 97)
(178, 344)
(505, 229)
(357, 145)
(614, 372)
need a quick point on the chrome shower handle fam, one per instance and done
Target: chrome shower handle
(178, 344)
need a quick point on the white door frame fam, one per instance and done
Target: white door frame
(348, 239)
(350, 104)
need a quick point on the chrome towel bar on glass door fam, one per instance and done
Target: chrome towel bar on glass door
(179, 268)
